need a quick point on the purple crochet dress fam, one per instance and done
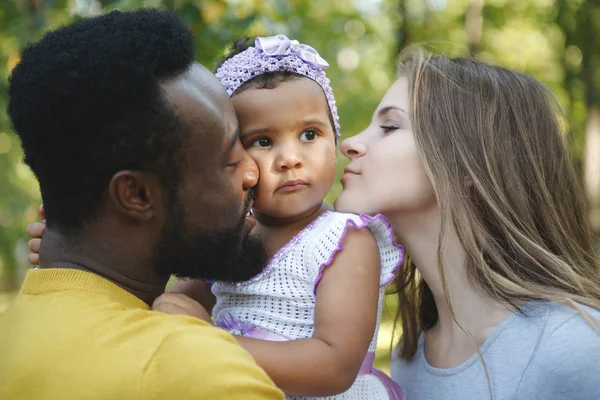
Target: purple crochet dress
(279, 303)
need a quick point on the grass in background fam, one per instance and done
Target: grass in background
(384, 342)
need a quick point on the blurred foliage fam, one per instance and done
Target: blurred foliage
(553, 40)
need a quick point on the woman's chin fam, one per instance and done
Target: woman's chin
(352, 207)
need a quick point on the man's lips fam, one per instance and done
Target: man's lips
(292, 186)
(249, 220)
(249, 224)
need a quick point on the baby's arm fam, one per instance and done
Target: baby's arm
(180, 304)
(345, 320)
(197, 289)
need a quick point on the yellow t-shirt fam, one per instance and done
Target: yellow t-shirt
(73, 335)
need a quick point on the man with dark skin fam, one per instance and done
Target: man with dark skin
(142, 174)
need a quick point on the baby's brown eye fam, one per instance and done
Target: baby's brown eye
(261, 142)
(308, 135)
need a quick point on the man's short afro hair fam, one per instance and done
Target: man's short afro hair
(86, 102)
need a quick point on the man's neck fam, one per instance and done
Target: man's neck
(125, 269)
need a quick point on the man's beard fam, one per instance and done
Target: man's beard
(219, 255)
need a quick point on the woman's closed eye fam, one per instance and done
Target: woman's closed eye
(390, 126)
(308, 135)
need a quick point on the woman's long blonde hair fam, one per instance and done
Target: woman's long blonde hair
(492, 142)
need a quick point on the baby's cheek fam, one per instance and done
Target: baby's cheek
(261, 203)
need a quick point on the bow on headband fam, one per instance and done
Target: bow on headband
(281, 45)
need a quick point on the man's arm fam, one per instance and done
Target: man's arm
(205, 363)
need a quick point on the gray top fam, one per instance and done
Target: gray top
(546, 351)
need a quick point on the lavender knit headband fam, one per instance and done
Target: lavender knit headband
(278, 53)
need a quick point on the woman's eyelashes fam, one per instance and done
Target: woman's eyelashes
(390, 126)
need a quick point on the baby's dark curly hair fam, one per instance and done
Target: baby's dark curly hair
(86, 102)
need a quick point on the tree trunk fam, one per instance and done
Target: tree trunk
(564, 13)
(591, 63)
(592, 164)
(474, 25)
(402, 34)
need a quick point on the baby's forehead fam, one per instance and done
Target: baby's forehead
(305, 89)
(290, 106)
(302, 92)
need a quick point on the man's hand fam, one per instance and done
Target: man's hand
(177, 303)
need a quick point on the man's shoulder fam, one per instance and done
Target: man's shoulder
(154, 331)
(188, 332)
(201, 360)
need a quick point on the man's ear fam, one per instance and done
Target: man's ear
(135, 193)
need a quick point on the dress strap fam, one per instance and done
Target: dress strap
(394, 390)
(245, 328)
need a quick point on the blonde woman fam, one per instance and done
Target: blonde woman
(501, 295)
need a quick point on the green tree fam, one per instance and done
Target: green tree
(553, 40)
(356, 39)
